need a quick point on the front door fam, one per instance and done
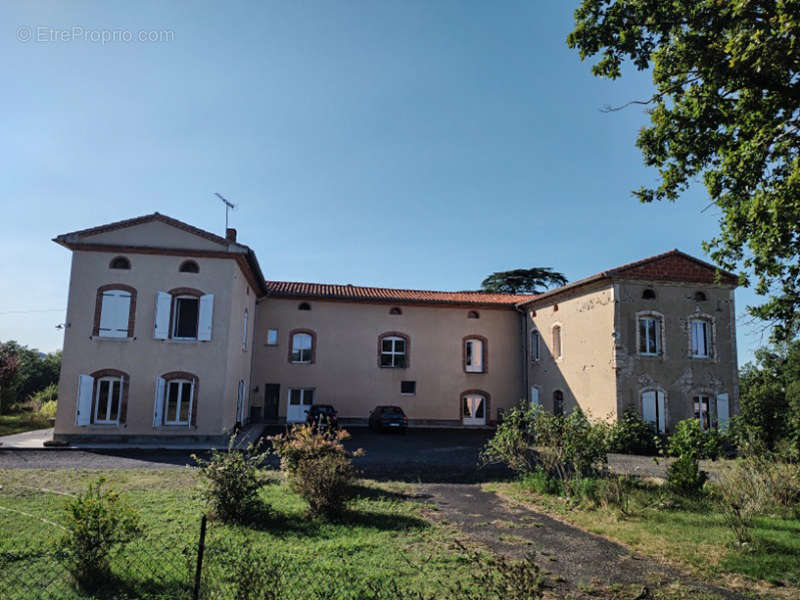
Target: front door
(473, 410)
(300, 401)
(272, 396)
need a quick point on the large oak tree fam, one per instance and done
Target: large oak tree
(725, 109)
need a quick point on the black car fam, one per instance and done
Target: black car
(388, 418)
(322, 416)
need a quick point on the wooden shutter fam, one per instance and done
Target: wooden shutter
(477, 355)
(649, 407)
(662, 414)
(115, 314)
(205, 317)
(163, 307)
(723, 411)
(123, 401)
(83, 408)
(158, 403)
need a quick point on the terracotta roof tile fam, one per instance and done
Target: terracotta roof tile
(297, 289)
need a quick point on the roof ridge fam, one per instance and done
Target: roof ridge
(390, 289)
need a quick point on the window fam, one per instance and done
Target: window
(304, 306)
(395, 311)
(114, 311)
(700, 296)
(408, 388)
(179, 399)
(701, 338)
(107, 400)
(649, 335)
(558, 403)
(186, 311)
(272, 337)
(535, 345)
(649, 294)
(302, 347)
(393, 350)
(189, 266)
(244, 331)
(653, 409)
(557, 350)
(701, 410)
(474, 354)
(120, 262)
(473, 314)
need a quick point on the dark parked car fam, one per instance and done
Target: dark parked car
(387, 418)
(322, 416)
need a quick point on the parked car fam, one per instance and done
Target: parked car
(322, 416)
(384, 418)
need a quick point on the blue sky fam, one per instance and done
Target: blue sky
(402, 144)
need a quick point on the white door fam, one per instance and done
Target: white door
(474, 410)
(300, 402)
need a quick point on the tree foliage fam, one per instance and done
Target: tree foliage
(523, 281)
(25, 371)
(726, 109)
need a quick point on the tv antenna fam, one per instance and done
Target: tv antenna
(228, 207)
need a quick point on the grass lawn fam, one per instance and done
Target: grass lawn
(381, 539)
(20, 421)
(689, 533)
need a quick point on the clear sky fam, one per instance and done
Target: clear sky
(414, 144)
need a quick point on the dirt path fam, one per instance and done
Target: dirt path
(577, 562)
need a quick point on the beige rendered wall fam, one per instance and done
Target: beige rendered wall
(675, 372)
(155, 234)
(584, 373)
(144, 358)
(346, 373)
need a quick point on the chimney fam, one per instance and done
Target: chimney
(230, 234)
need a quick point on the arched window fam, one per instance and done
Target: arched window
(700, 296)
(395, 310)
(109, 396)
(654, 409)
(114, 311)
(475, 351)
(557, 342)
(304, 306)
(558, 403)
(184, 314)
(648, 294)
(189, 266)
(301, 346)
(474, 407)
(176, 399)
(473, 314)
(393, 350)
(119, 262)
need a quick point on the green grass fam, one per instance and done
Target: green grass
(381, 539)
(21, 421)
(687, 532)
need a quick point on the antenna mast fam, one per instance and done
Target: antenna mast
(228, 207)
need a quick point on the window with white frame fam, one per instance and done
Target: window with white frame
(474, 359)
(107, 401)
(650, 335)
(183, 315)
(272, 337)
(115, 314)
(178, 409)
(186, 311)
(557, 348)
(535, 344)
(393, 352)
(301, 347)
(700, 331)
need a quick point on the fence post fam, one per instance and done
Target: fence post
(200, 548)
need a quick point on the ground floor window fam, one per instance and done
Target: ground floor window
(558, 403)
(473, 408)
(653, 409)
(702, 408)
(180, 394)
(107, 401)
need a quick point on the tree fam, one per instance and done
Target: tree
(9, 366)
(523, 281)
(726, 108)
(33, 372)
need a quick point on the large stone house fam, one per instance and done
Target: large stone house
(174, 335)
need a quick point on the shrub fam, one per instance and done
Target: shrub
(688, 438)
(513, 441)
(633, 435)
(539, 481)
(234, 480)
(97, 521)
(571, 445)
(319, 467)
(48, 409)
(684, 476)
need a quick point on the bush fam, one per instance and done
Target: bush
(97, 521)
(688, 438)
(539, 481)
(234, 480)
(684, 476)
(319, 467)
(513, 441)
(48, 409)
(633, 435)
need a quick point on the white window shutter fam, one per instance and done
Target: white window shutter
(477, 355)
(163, 306)
(205, 318)
(662, 414)
(83, 408)
(535, 396)
(158, 403)
(649, 407)
(723, 411)
(114, 313)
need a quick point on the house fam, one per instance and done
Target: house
(173, 334)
